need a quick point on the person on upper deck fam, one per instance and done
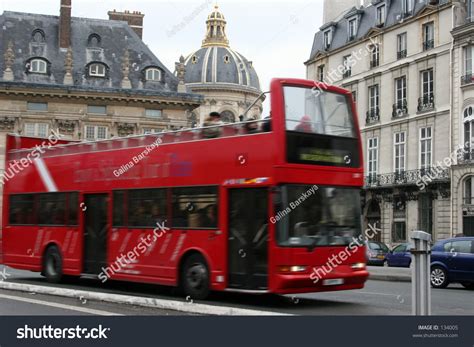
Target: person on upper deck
(214, 120)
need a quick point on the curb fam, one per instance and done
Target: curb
(172, 305)
(389, 278)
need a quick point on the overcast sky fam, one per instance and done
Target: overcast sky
(276, 35)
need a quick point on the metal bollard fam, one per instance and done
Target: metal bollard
(420, 277)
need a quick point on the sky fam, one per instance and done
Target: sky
(276, 35)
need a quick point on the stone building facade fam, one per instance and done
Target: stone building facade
(87, 79)
(226, 79)
(394, 56)
(462, 184)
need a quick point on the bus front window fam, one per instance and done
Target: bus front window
(318, 216)
(320, 128)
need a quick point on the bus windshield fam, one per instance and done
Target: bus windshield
(319, 112)
(318, 216)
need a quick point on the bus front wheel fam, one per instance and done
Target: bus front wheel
(53, 265)
(195, 277)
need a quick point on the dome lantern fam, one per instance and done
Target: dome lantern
(216, 30)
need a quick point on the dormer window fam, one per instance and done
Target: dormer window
(153, 74)
(380, 16)
(97, 70)
(352, 29)
(406, 7)
(327, 38)
(38, 36)
(39, 66)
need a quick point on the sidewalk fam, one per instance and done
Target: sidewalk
(393, 274)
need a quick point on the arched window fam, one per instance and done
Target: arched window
(97, 70)
(94, 40)
(227, 117)
(153, 74)
(194, 59)
(38, 36)
(39, 66)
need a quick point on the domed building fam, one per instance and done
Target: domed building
(226, 79)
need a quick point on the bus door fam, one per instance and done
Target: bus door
(95, 233)
(248, 238)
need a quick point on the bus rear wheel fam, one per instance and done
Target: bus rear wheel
(195, 277)
(53, 265)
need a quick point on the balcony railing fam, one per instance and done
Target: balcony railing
(373, 116)
(400, 109)
(466, 156)
(411, 177)
(428, 44)
(401, 54)
(374, 63)
(426, 103)
(467, 79)
(347, 73)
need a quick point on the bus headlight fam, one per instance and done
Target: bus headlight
(358, 266)
(294, 268)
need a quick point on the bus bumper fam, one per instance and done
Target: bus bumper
(344, 279)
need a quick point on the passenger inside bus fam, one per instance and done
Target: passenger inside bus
(252, 127)
(305, 125)
(209, 217)
(213, 120)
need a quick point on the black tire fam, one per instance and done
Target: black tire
(438, 277)
(53, 265)
(468, 285)
(195, 277)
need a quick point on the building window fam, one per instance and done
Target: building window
(400, 108)
(380, 15)
(470, 10)
(354, 96)
(428, 36)
(36, 129)
(38, 36)
(373, 114)
(148, 131)
(468, 133)
(468, 193)
(93, 109)
(347, 63)
(94, 40)
(321, 73)
(426, 102)
(39, 66)
(352, 29)
(399, 153)
(425, 213)
(327, 38)
(399, 232)
(374, 56)
(425, 148)
(406, 7)
(153, 74)
(153, 113)
(401, 46)
(194, 59)
(37, 106)
(372, 158)
(468, 65)
(97, 70)
(93, 132)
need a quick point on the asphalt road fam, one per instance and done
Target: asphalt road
(377, 298)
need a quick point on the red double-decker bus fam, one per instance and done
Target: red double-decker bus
(258, 206)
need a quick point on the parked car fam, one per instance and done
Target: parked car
(376, 253)
(452, 260)
(399, 256)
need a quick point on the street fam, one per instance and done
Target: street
(377, 298)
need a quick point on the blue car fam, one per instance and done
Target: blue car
(400, 256)
(452, 260)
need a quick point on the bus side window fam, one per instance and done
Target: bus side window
(147, 208)
(195, 208)
(119, 215)
(22, 209)
(52, 209)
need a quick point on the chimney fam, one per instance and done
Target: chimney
(65, 24)
(134, 20)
